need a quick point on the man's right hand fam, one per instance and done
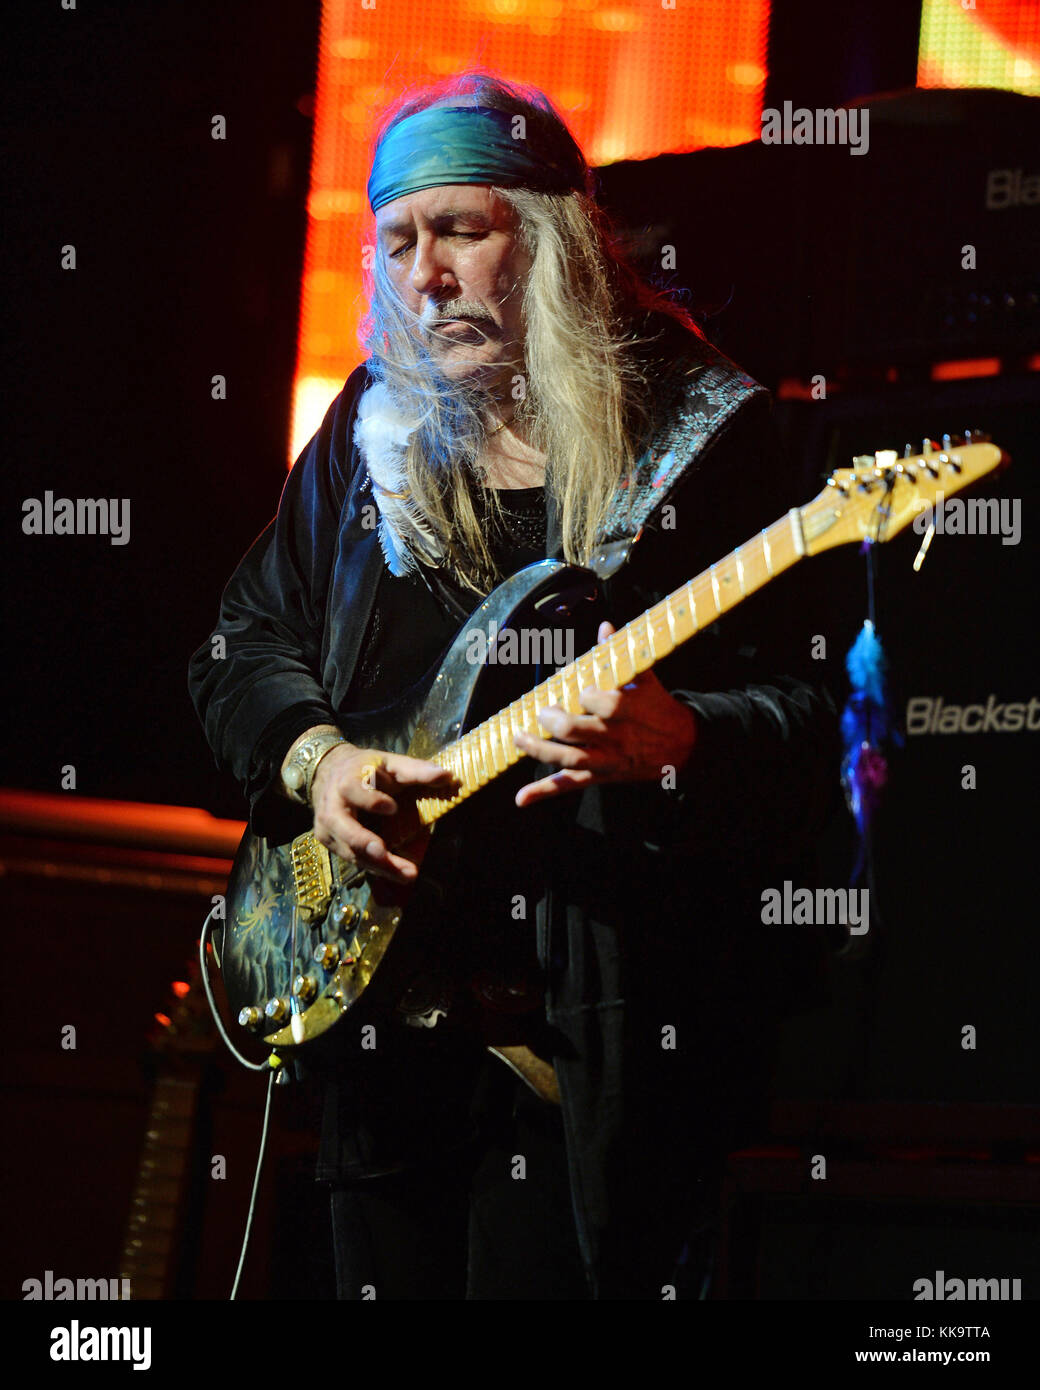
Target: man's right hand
(353, 782)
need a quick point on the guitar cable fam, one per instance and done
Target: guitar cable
(271, 1066)
(271, 1062)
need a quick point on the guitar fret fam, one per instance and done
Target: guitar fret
(604, 668)
(472, 780)
(794, 516)
(639, 644)
(487, 761)
(483, 753)
(715, 590)
(542, 700)
(659, 630)
(584, 674)
(505, 730)
(479, 771)
(767, 552)
(740, 572)
(682, 613)
(487, 744)
(620, 657)
(530, 712)
(498, 760)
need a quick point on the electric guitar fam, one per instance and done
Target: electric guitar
(309, 938)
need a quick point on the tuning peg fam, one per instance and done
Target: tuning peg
(946, 443)
(927, 447)
(908, 450)
(967, 436)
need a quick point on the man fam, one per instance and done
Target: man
(524, 396)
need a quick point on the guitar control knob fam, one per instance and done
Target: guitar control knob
(343, 914)
(250, 1016)
(277, 1010)
(326, 955)
(305, 987)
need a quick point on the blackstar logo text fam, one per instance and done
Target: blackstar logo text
(928, 714)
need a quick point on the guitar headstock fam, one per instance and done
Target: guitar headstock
(881, 493)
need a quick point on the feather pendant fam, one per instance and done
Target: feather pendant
(382, 433)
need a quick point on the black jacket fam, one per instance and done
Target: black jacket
(663, 982)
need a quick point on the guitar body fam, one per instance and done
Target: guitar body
(307, 938)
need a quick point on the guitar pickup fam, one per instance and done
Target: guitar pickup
(312, 877)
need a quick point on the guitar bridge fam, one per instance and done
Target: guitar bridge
(312, 877)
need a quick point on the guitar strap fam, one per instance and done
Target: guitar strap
(694, 402)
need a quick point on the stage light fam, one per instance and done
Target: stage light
(995, 45)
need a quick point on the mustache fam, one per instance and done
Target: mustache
(448, 309)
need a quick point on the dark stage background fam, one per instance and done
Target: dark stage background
(804, 262)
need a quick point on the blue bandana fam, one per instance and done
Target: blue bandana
(459, 144)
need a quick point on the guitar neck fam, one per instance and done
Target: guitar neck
(154, 1227)
(489, 748)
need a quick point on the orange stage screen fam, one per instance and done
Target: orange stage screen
(632, 79)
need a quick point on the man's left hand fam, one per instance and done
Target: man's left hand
(627, 735)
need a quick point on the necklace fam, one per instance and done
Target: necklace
(502, 425)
